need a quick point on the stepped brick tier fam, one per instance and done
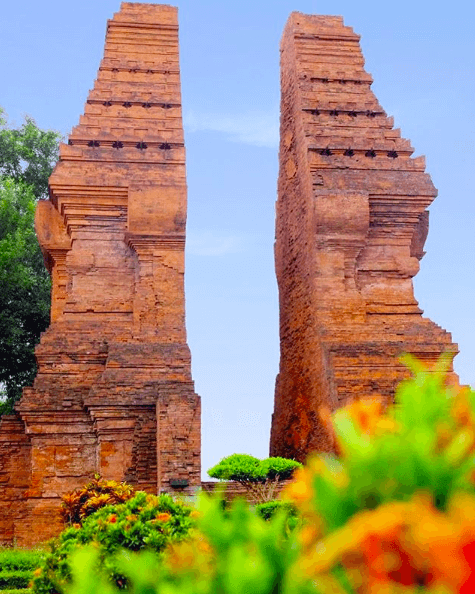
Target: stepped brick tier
(114, 393)
(351, 222)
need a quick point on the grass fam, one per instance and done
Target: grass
(16, 569)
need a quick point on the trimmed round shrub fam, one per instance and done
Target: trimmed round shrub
(238, 467)
(260, 478)
(279, 468)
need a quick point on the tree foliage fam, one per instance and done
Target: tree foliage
(259, 477)
(27, 156)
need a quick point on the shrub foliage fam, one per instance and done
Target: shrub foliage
(143, 522)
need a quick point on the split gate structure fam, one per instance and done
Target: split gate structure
(114, 393)
(351, 222)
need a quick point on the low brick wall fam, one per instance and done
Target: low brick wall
(234, 489)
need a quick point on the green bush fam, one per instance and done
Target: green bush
(268, 509)
(15, 579)
(145, 521)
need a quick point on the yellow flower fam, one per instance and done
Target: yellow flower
(386, 425)
(444, 433)
(460, 447)
(38, 572)
(300, 489)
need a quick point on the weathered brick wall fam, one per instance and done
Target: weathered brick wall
(115, 357)
(232, 489)
(15, 474)
(351, 221)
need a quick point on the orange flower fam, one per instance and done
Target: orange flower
(310, 534)
(388, 562)
(300, 489)
(447, 541)
(112, 519)
(193, 556)
(325, 415)
(366, 412)
(372, 547)
(403, 544)
(163, 517)
(461, 408)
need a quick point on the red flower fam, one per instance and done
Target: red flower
(468, 586)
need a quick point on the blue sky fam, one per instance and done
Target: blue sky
(421, 56)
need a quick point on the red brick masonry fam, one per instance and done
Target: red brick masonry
(114, 392)
(351, 223)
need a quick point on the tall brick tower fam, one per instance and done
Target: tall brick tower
(114, 393)
(351, 222)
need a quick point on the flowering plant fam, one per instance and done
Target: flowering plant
(144, 522)
(394, 509)
(81, 503)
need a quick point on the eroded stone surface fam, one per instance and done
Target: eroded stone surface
(114, 392)
(351, 222)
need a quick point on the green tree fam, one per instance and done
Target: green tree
(27, 156)
(260, 478)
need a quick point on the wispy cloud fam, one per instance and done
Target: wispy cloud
(256, 128)
(208, 243)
